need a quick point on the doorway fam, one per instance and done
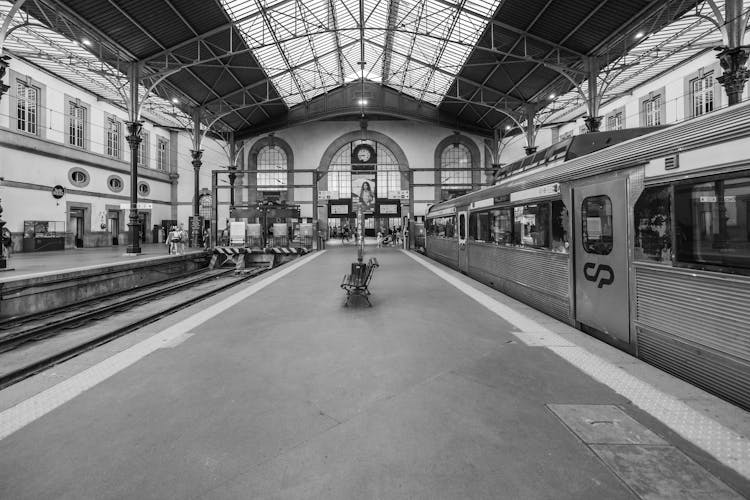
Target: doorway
(113, 224)
(76, 216)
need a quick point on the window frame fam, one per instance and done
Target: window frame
(162, 154)
(77, 124)
(28, 85)
(113, 136)
(706, 90)
(585, 240)
(464, 173)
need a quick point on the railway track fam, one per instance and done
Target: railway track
(31, 344)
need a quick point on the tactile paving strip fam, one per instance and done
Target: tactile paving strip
(724, 444)
(730, 448)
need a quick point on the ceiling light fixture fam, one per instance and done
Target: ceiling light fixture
(362, 102)
(639, 35)
(86, 42)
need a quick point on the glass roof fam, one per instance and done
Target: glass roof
(308, 47)
(656, 54)
(74, 62)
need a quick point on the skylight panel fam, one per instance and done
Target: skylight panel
(294, 39)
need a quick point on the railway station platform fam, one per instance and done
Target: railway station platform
(62, 261)
(444, 389)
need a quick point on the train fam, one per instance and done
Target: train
(644, 243)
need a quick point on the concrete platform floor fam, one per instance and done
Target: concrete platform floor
(442, 390)
(30, 263)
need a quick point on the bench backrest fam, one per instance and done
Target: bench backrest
(371, 265)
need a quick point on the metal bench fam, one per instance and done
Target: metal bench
(358, 281)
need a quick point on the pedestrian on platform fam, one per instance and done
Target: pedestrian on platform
(182, 238)
(206, 239)
(380, 239)
(172, 240)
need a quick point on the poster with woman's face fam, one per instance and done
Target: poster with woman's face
(363, 192)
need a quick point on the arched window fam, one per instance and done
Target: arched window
(205, 202)
(272, 166)
(455, 167)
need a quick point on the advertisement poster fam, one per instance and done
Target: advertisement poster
(363, 192)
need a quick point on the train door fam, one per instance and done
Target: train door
(463, 254)
(601, 262)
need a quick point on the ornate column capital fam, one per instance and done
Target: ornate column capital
(3, 68)
(196, 154)
(593, 123)
(134, 133)
(735, 73)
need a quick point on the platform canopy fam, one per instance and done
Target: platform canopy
(251, 66)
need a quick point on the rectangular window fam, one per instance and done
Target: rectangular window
(388, 180)
(531, 225)
(442, 227)
(596, 225)
(28, 107)
(340, 181)
(614, 122)
(653, 225)
(712, 222)
(479, 227)
(652, 111)
(162, 155)
(702, 94)
(77, 125)
(143, 150)
(113, 137)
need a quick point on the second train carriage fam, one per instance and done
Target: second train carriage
(645, 244)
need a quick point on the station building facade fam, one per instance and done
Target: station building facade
(65, 160)
(680, 94)
(65, 163)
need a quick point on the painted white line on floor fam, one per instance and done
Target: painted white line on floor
(728, 447)
(37, 406)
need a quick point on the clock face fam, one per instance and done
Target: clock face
(363, 154)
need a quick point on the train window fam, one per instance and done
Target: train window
(501, 224)
(596, 224)
(532, 225)
(442, 227)
(653, 225)
(713, 222)
(560, 226)
(479, 227)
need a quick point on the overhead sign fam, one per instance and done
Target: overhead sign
(58, 192)
(483, 203)
(138, 206)
(402, 194)
(537, 192)
(340, 209)
(328, 195)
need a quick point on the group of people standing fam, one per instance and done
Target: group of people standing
(176, 240)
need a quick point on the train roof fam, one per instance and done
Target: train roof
(572, 147)
(719, 126)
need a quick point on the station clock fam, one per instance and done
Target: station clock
(363, 154)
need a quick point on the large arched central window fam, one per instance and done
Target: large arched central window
(272, 169)
(388, 176)
(455, 167)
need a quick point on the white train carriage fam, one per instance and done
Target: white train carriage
(644, 244)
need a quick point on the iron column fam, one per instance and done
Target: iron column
(134, 140)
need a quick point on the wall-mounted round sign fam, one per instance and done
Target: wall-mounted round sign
(58, 192)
